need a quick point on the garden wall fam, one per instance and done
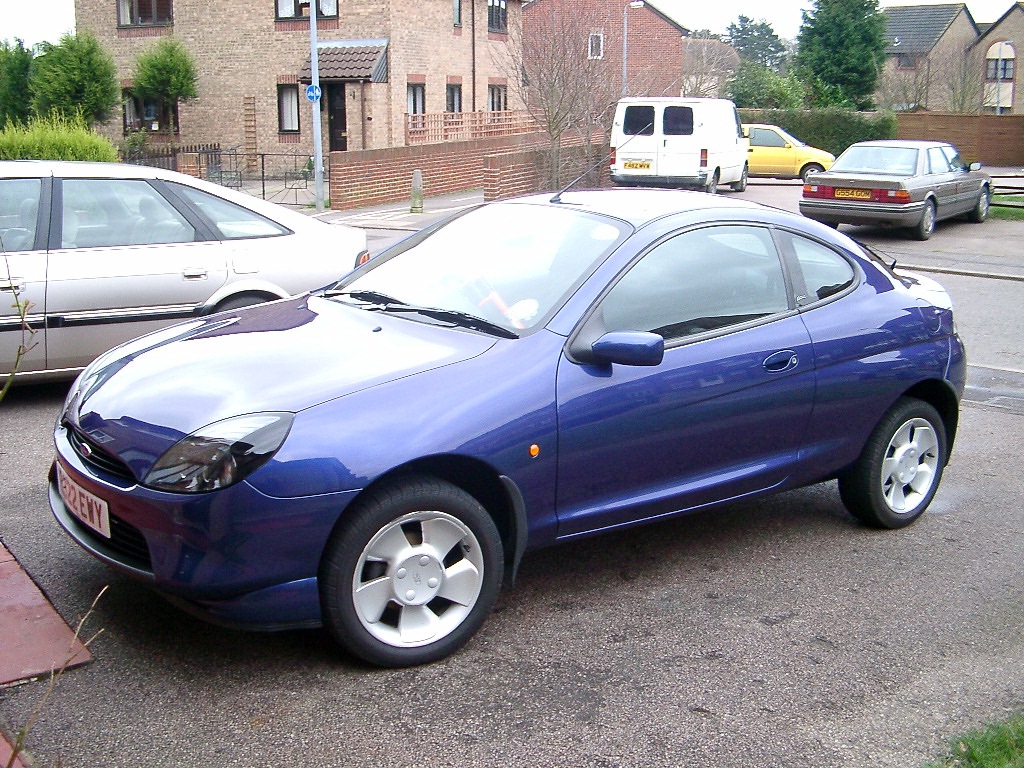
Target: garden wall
(994, 140)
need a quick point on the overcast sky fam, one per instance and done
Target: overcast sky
(42, 20)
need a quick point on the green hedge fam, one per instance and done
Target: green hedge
(54, 138)
(832, 129)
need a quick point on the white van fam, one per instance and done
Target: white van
(678, 142)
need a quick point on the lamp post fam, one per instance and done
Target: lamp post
(999, 84)
(625, 39)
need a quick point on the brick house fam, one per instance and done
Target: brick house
(378, 61)
(997, 48)
(654, 41)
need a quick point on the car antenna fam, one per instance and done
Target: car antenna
(557, 198)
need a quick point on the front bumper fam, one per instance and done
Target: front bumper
(851, 212)
(235, 556)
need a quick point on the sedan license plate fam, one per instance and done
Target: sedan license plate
(87, 507)
(637, 165)
(853, 194)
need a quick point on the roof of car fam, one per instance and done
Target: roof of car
(908, 143)
(638, 205)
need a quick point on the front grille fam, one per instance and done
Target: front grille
(125, 539)
(93, 455)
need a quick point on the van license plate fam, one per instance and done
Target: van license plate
(637, 165)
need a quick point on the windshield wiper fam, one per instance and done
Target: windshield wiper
(370, 297)
(384, 303)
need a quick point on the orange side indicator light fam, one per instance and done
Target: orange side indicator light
(534, 451)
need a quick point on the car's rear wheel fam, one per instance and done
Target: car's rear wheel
(924, 228)
(411, 573)
(712, 185)
(741, 185)
(980, 211)
(809, 170)
(898, 473)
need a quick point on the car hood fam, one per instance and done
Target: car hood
(288, 355)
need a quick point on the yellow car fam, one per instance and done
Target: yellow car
(775, 153)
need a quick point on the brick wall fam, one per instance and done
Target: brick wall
(988, 139)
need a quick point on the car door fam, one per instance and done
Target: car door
(679, 155)
(943, 180)
(123, 261)
(637, 152)
(768, 153)
(724, 413)
(968, 184)
(23, 204)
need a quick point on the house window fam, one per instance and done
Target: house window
(999, 69)
(135, 13)
(299, 9)
(457, 13)
(416, 99)
(906, 61)
(453, 98)
(288, 108)
(596, 46)
(147, 115)
(497, 16)
(497, 98)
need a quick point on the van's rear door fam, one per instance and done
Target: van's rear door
(679, 154)
(637, 152)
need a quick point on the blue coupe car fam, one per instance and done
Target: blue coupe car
(378, 455)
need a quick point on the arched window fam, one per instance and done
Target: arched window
(1000, 68)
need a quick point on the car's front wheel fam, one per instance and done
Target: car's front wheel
(924, 228)
(980, 211)
(898, 473)
(411, 573)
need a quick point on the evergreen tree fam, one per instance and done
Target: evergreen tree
(15, 101)
(841, 50)
(759, 87)
(166, 74)
(76, 76)
(756, 42)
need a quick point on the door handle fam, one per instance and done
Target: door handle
(196, 273)
(15, 284)
(779, 362)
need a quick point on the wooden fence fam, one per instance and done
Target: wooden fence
(994, 140)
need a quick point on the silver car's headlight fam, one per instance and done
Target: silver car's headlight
(220, 454)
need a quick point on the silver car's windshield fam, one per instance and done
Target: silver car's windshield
(890, 161)
(509, 264)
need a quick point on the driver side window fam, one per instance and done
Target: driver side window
(700, 281)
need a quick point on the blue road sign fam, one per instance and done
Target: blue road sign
(313, 92)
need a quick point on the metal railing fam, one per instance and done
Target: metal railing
(439, 127)
(1008, 185)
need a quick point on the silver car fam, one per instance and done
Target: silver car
(103, 252)
(909, 184)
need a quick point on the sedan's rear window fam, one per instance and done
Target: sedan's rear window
(889, 161)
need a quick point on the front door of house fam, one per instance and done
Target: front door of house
(336, 117)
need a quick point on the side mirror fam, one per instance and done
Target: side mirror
(975, 166)
(629, 348)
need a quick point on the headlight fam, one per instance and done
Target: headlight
(220, 454)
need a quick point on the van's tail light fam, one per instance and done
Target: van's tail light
(612, 156)
(703, 158)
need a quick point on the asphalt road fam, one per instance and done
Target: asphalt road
(768, 634)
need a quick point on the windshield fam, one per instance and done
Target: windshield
(891, 161)
(510, 264)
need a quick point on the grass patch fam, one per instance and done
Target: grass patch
(1007, 214)
(995, 746)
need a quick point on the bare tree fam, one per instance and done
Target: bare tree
(904, 83)
(959, 78)
(558, 70)
(708, 63)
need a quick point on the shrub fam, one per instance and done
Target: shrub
(832, 129)
(54, 138)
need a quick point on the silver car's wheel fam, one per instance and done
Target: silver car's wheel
(980, 211)
(412, 575)
(926, 225)
(898, 473)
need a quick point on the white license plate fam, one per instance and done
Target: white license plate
(87, 507)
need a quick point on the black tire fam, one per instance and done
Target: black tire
(427, 560)
(712, 185)
(980, 211)
(741, 185)
(809, 170)
(924, 228)
(242, 300)
(899, 470)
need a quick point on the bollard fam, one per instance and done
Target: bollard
(417, 192)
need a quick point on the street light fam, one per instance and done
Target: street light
(999, 85)
(625, 38)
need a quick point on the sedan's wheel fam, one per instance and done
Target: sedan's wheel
(926, 225)
(712, 185)
(741, 185)
(898, 473)
(809, 170)
(411, 573)
(980, 211)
